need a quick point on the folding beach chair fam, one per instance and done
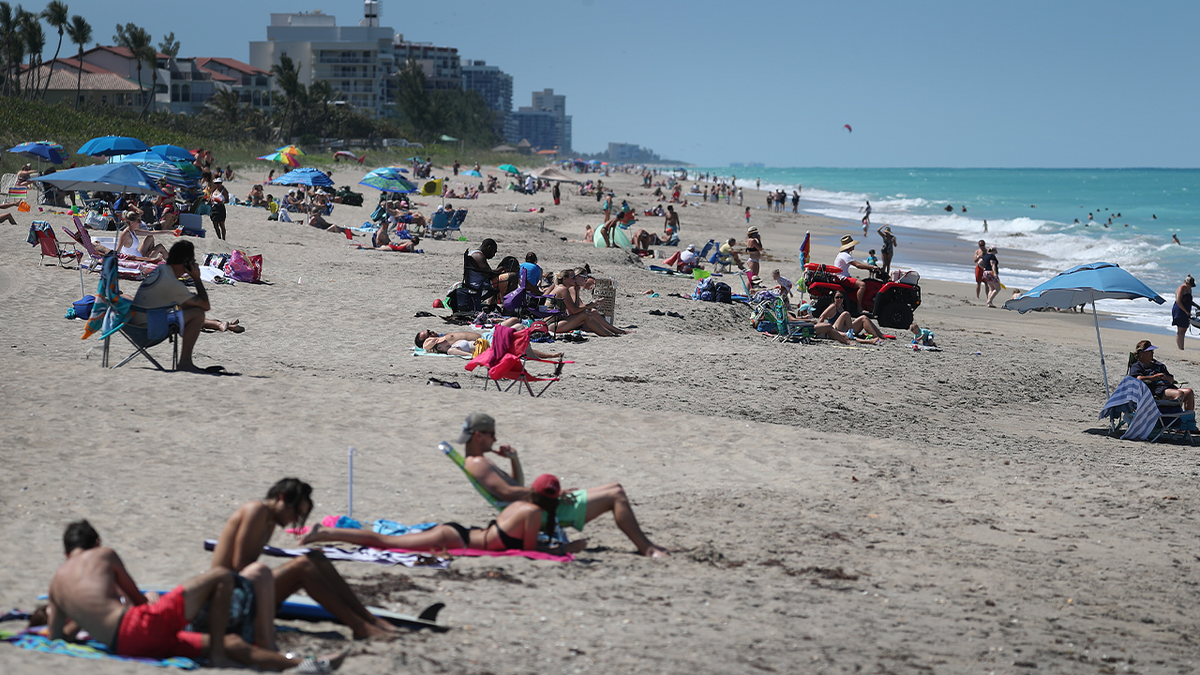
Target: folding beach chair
(456, 221)
(522, 303)
(1131, 405)
(110, 315)
(505, 360)
(50, 246)
(439, 224)
(159, 328)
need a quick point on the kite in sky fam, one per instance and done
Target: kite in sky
(848, 129)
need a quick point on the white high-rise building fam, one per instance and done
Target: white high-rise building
(358, 61)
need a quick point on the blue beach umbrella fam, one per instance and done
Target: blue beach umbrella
(472, 172)
(170, 172)
(387, 179)
(173, 152)
(304, 176)
(40, 151)
(107, 146)
(144, 156)
(123, 177)
(1081, 285)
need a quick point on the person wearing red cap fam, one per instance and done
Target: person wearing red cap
(576, 509)
(516, 527)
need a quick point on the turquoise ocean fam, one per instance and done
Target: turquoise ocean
(1039, 210)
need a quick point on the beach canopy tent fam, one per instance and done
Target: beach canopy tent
(41, 151)
(387, 179)
(107, 146)
(305, 176)
(551, 173)
(174, 152)
(122, 177)
(1081, 285)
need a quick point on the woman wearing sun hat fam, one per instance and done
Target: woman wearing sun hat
(754, 249)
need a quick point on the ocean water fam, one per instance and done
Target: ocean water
(1041, 210)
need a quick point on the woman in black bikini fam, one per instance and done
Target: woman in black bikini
(516, 527)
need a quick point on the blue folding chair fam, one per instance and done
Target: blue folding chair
(439, 224)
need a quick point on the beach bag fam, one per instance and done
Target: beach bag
(95, 220)
(722, 292)
(243, 268)
(704, 290)
(83, 308)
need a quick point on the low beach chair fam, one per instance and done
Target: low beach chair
(455, 226)
(505, 360)
(65, 254)
(439, 224)
(523, 304)
(1132, 406)
(158, 329)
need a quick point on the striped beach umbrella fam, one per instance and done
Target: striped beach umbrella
(290, 150)
(282, 158)
(171, 172)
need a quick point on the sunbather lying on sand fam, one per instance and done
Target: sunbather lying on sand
(288, 502)
(380, 241)
(575, 509)
(87, 590)
(516, 528)
(462, 343)
(316, 220)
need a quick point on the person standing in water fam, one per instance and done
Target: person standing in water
(1181, 312)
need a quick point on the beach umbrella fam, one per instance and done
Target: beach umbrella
(305, 176)
(41, 150)
(472, 172)
(509, 168)
(290, 150)
(122, 177)
(387, 179)
(106, 146)
(173, 152)
(171, 172)
(1081, 285)
(282, 158)
(140, 157)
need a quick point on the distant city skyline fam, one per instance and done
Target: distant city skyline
(1023, 84)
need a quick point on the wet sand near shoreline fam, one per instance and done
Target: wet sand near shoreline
(829, 509)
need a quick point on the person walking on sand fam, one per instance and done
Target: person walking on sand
(889, 247)
(1181, 312)
(979, 253)
(991, 274)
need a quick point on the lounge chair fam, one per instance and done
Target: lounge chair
(52, 248)
(456, 221)
(505, 360)
(1131, 405)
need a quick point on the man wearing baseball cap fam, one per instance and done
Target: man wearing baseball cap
(1156, 376)
(478, 438)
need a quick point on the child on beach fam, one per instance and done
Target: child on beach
(747, 215)
(785, 288)
(871, 259)
(922, 336)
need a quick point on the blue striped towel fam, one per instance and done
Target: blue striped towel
(1133, 390)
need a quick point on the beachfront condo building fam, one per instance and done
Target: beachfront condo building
(496, 88)
(545, 123)
(358, 61)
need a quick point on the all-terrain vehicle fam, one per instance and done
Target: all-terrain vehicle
(890, 302)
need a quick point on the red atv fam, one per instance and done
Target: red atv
(890, 303)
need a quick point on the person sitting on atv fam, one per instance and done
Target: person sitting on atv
(845, 260)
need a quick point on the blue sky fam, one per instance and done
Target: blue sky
(952, 84)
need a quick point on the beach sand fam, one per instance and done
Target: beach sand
(828, 509)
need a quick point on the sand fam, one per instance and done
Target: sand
(828, 509)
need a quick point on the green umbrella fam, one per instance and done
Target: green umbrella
(509, 168)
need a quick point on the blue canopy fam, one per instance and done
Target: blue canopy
(39, 151)
(1081, 285)
(173, 152)
(387, 179)
(304, 176)
(106, 146)
(123, 177)
(143, 156)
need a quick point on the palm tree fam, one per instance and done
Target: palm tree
(80, 32)
(294, 97)
(55, 14)
(8, 31)
(137, 41)
(224, 106)
(169, 45)
(35, 42)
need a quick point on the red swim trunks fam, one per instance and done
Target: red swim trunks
(156, 631)
(978, 274)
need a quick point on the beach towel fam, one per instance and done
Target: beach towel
(417, 351)
(88, 650)
(503, 357)
(362, 554)
(1133, 390)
